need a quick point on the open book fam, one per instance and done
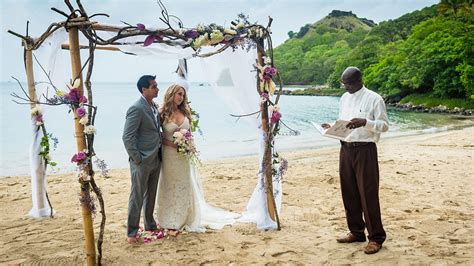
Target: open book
(336, 131)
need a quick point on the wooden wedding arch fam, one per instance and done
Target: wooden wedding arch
(242, 34)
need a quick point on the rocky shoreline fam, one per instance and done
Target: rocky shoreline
(324, 91)
(436, 109)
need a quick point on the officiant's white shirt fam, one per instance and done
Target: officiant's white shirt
(364, 104)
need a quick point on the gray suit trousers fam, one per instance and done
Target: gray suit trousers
(143, 193)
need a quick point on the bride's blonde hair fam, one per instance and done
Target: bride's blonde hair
(168, 102)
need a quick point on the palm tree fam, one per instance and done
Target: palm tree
(455, 6)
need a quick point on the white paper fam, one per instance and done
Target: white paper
(337, 131)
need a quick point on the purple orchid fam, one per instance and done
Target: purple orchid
(191, 34)
(275, 117)
(270, 71)
(140, 26)
(83, 99)
(151, 39)
(39, 118)
(81, 112)
(78, 157)
(265, 95)
(73, 95)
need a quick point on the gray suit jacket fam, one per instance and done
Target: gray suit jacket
(141, 133)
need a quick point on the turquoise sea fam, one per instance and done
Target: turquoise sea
(223, 135)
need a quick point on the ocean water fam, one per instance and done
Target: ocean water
(223, 135)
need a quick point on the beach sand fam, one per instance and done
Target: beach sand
(426, 193)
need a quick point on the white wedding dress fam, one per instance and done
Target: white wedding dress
(181, 204)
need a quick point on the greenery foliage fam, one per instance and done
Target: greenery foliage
(429, 52)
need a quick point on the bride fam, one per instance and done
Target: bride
(181, 204)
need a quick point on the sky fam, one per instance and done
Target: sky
(288, 15)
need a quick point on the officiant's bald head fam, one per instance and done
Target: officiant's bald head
(351, 78)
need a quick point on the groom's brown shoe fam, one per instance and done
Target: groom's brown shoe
(372, 247)
(350, 238)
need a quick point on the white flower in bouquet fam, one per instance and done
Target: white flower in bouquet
(84, 120)
(90, 130)
(39, 123)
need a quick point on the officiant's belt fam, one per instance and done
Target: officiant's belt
(354, 144)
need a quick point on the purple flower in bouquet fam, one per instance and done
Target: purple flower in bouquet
(188, 135)
(264, 95)
(81, 112)
(275, 117)
(83, 99)
(73, 95)
(193, 34)
(266, 77)
(78, 157)
(140, 26)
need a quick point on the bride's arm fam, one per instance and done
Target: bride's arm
(169, 143)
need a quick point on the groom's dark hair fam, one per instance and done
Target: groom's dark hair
(144, 82)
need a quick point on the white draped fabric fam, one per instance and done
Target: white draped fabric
(232, 77)
(48, 55)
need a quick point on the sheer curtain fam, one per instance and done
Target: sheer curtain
(232, 77)
(48, 55)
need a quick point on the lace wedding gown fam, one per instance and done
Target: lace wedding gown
(181, 204)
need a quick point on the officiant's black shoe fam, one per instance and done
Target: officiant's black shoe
(350, 238)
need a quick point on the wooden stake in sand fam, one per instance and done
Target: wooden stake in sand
(81, 145)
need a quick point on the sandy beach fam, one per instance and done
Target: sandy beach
(426, 199)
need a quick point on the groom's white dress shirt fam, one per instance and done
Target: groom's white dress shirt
(364, 104)
(154, 109)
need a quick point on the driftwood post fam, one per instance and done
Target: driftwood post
(267, 157)
(81, 145)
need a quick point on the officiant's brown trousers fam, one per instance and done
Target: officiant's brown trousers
(359, 175)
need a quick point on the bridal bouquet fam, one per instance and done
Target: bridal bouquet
(183, 138)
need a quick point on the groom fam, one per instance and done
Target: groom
(142, 139)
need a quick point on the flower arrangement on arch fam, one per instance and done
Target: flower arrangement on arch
(210, 35)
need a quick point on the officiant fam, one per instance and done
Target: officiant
(358, 162)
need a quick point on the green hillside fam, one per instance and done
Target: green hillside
(427, 53)
(309, 56)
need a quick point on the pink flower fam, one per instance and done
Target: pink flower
(275, 117)
(140, 26)
(270, 71)
(81, 112)
(78, 157)
(83, 99)
(39, 118)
